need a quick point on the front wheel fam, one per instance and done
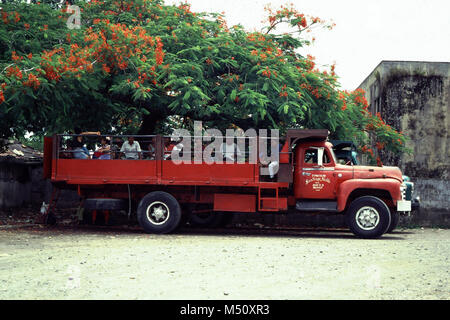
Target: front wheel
(159, 212)
(395, 218)
(368, 217)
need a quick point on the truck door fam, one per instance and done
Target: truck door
(316, 177)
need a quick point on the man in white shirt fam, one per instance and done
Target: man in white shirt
(131, 149)
(229, 149)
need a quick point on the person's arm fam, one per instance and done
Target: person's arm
(139, 150)
(104, 149)
(239, 154)
(238, 151)
(91, 133)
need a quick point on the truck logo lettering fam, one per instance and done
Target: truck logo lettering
(318, 181)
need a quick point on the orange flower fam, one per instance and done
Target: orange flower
(379, 162)
(106, 68)
(15, 57)
(32, 81)
(159, 53)
(266, 73)
(380, 145)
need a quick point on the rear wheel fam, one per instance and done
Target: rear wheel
(159, 212)
(368, 217)
(206, 219)
(226, 219)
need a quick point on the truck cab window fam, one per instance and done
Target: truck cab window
(312, 154)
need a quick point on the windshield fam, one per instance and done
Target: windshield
(333, 155)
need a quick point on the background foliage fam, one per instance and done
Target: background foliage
(143, 66)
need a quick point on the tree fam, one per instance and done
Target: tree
(145, 66)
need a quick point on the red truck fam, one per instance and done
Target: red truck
(309, 179)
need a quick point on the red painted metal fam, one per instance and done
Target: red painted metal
(234, 202)
(312, 181)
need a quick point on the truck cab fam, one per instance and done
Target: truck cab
(371, 197)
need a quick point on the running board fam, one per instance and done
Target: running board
(329, 206)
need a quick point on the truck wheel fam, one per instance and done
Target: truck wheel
(395, 218)
(227, 217)
(159, 212)
(368, 217)
(206, 219)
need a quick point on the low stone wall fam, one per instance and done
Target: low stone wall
(22, 185)
(15, 185)
(433, 193)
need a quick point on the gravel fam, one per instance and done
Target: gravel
(124, 263)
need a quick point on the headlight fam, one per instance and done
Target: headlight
(403, 190)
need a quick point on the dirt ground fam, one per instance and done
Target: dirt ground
(124, 263)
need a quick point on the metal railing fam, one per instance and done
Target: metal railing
(154, 147)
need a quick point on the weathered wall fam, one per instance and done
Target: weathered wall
(15, 185)
(414, 97)
(22, 185)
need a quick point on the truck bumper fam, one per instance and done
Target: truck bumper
(404, 205)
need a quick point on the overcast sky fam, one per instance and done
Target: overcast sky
(366, 32)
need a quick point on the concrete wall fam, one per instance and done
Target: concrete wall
(414, 97)
(15, 185)
(22, 185)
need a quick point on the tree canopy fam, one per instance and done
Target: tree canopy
(143, 66)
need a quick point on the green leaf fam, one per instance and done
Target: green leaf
(187, 95)
(233, 94)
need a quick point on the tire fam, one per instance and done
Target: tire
(227, 217)
(368, 217)
(159, 212)
(206, 220)
(395, 218)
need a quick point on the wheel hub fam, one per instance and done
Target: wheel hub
(157, 213)
(367, 218)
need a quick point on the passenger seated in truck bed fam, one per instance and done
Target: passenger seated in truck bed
(103, 152)
(131, 149)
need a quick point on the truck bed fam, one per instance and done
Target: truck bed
(165, 172)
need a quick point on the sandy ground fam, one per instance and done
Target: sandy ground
(109, 263)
